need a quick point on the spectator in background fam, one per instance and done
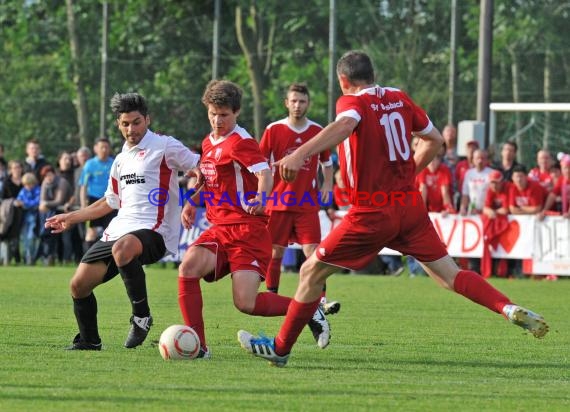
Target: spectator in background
(2, 160)
(435, 183)
(13, 182)
(475, 184)
(70, 248)
(473, 192)
(464, 165)
(508, 160)
(34, 159)
(29, 200)
(556, 175)
(65, 167)
(81, 156)
(93, 182)
(340, 193)
(449, 134)
(561, 191)
(525, 197)
(497, 198)
(55, 193)
(496, 206)
(12, 186)
(541, 173)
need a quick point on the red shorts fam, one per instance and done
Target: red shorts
(362, 233)
(237, 247)
(294, 227)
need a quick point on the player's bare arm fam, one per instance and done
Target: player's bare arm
(188, 215)
(427, 149)
(326, 188)
(62, 222)
(329, 137)
(264, 185)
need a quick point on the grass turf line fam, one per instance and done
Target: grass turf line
(397, 344)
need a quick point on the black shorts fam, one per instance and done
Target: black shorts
(153, 250)
(103, 221)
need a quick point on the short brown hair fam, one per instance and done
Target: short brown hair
(299, 88)
(222, 93)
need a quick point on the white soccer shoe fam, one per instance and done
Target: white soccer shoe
(320, 328)
(526, 319)
(262, 347)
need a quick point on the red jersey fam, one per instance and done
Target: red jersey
(562, 189)
(280, 139)
(533, 195)
(460, 169)
(377, 156)
(500, 199)
(434, 182)
(543, 178)
(228, 165)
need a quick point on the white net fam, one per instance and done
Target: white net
(532, 129)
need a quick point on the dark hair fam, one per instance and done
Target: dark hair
(356, 66)
(299, 88)
(128, 102)
(222, 93)
(519, 169)
(512, 143)
(104, 139)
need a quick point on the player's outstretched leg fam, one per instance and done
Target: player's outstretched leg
(526, 319)
(262, 347)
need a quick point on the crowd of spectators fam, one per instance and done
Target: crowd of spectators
(33, 189)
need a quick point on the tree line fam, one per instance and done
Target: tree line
(50, 50)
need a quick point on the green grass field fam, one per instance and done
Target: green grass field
(397, 344)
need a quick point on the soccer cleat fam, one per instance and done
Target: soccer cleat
(139, 330)
(320, 328)
(204, 353)
(80, 344)
(262, 347)
(330, 308)
(526, 319)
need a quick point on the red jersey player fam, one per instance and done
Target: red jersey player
(376, 158)
(293, 207)
(236, 178)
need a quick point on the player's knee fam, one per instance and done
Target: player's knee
(78, 289)
(122, 253)
(246, 306)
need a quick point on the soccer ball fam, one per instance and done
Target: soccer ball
(179, 342)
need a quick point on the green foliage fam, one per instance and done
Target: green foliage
(398, 344)
(163, 49)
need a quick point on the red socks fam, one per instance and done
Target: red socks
(474, 287)
(270, 304)
(273, 275)
(298, 315)
(190, 302)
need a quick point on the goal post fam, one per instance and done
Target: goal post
(520, 107)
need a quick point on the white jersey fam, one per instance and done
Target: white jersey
(143, 185)
(475, 186)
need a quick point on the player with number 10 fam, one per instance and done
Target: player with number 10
(380, 123)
